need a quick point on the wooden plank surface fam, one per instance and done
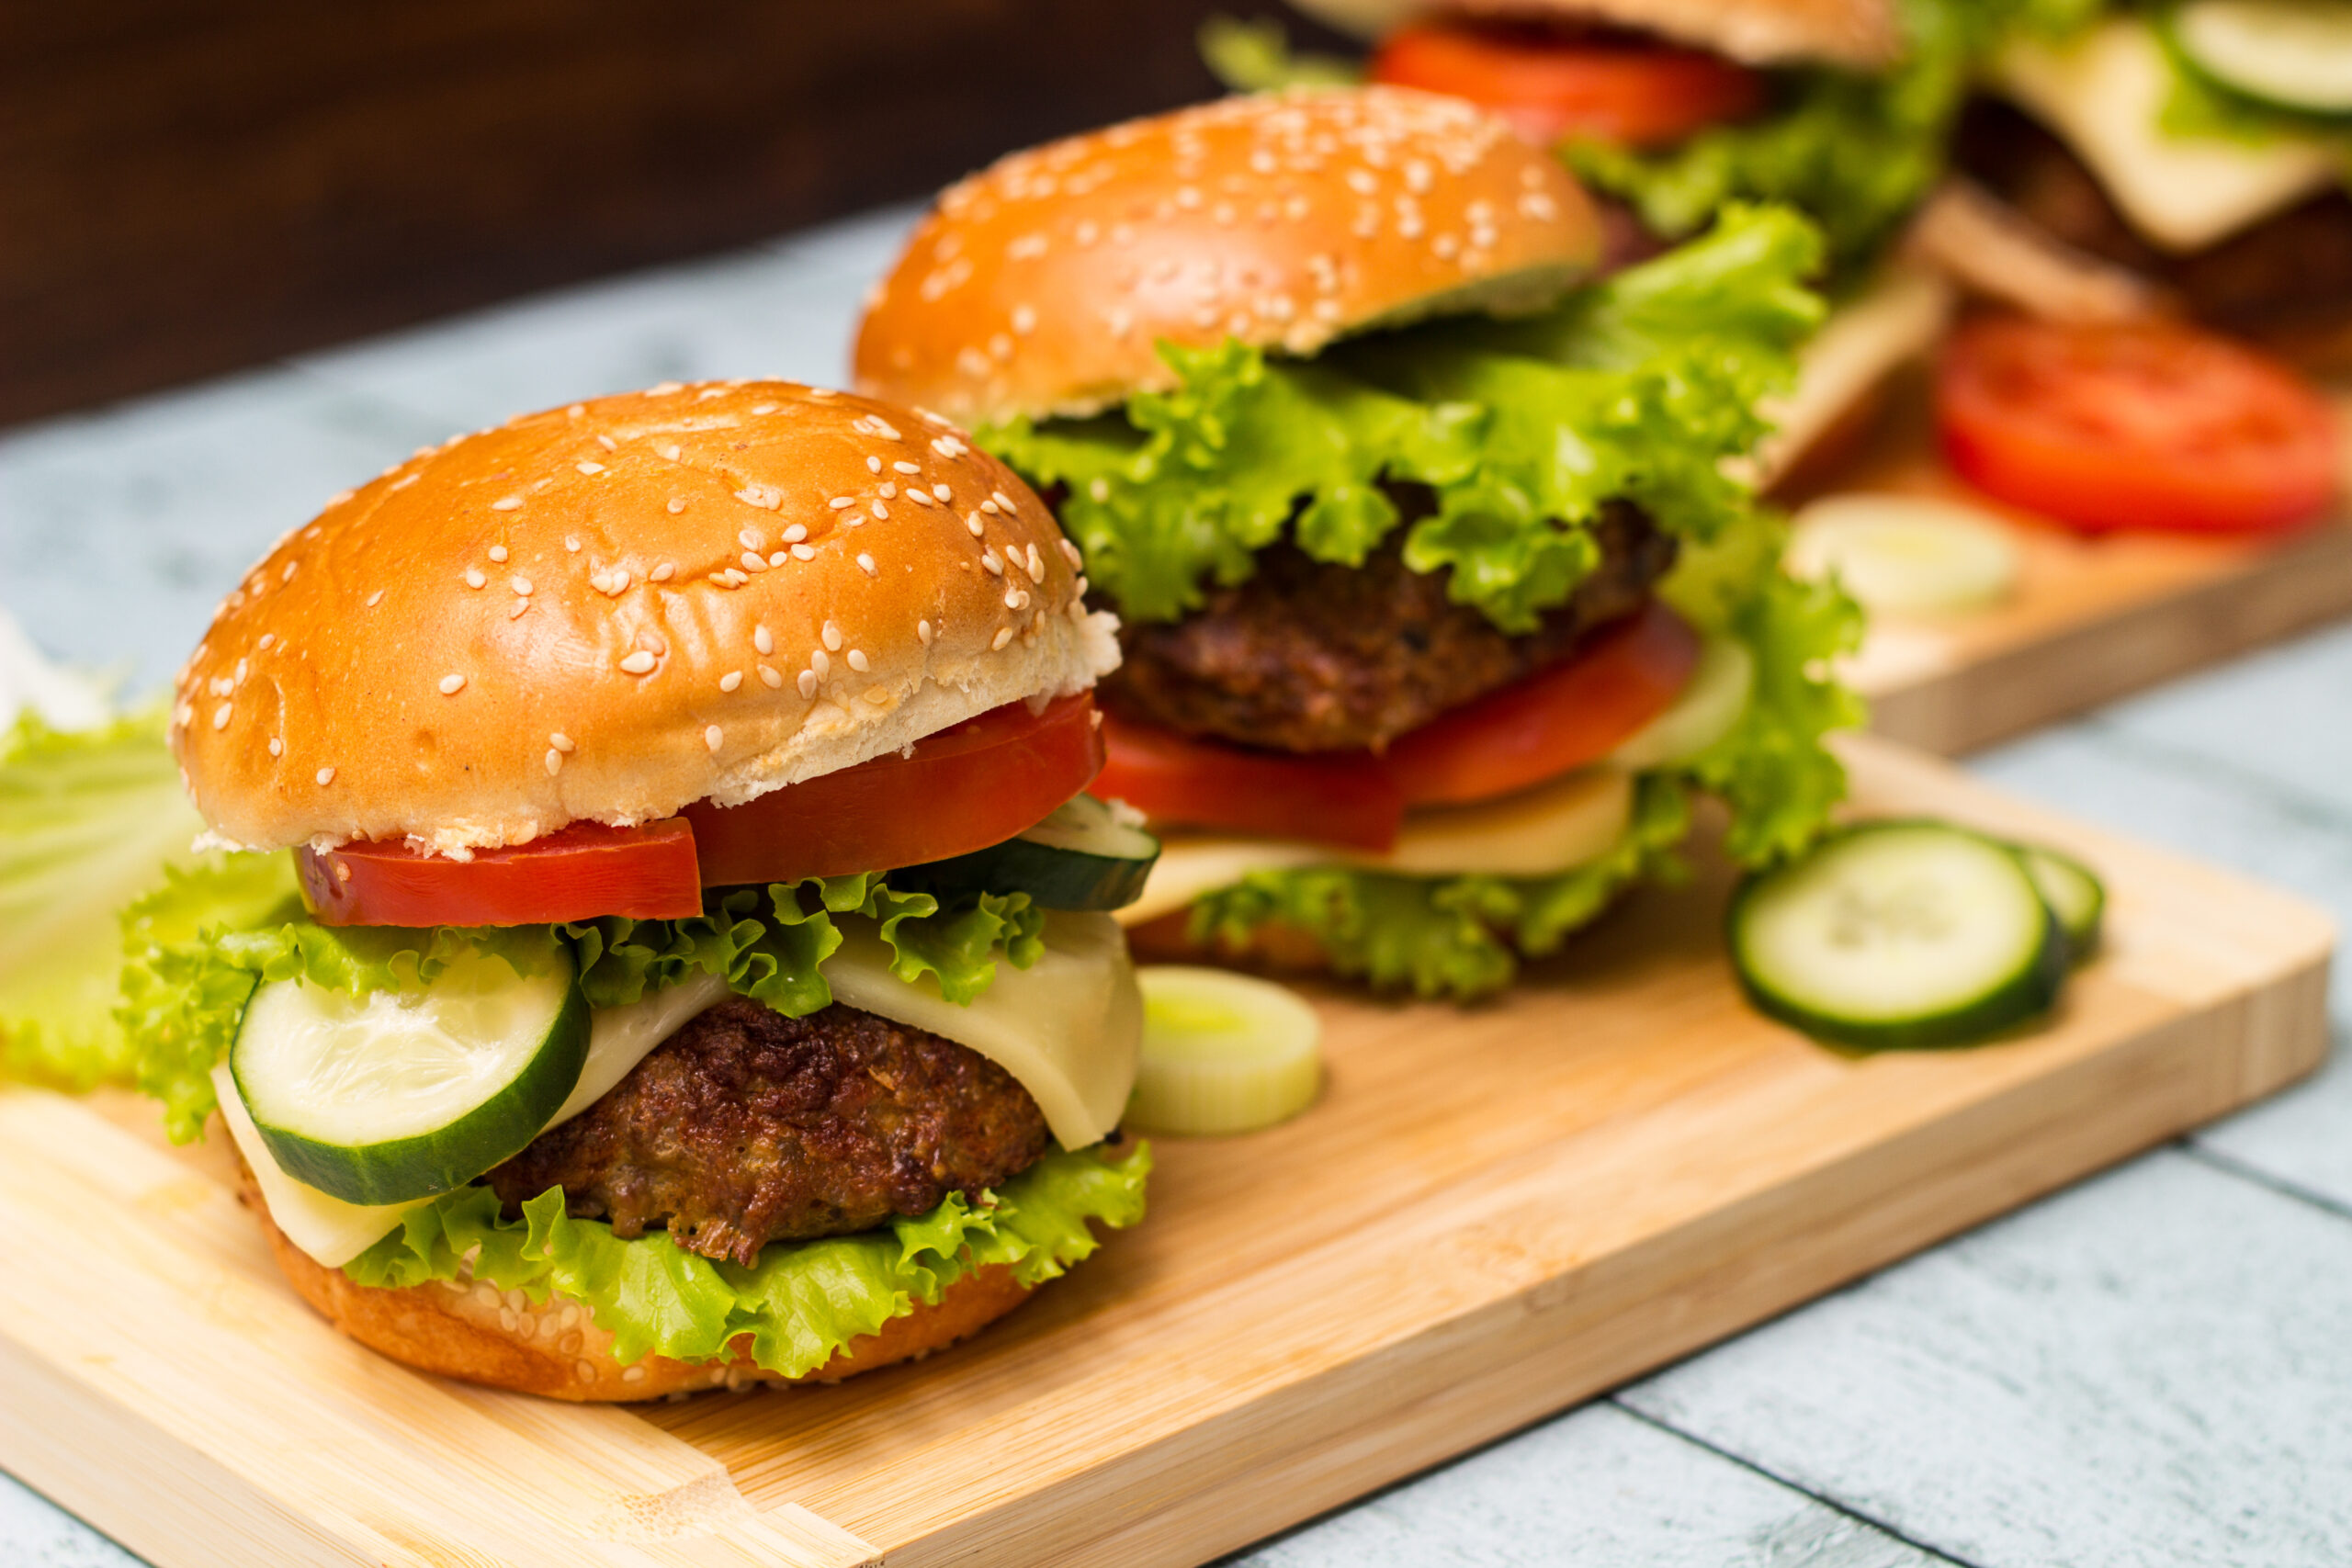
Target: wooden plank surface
(1491, 1215)
(2089, 620)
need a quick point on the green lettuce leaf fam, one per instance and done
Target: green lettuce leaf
(1255, 56)
(1637, 386)
(193, 952)
(802, 1301)
(89, 820)
(1854, 152)
(1460, 937)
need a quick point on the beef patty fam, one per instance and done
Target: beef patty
(1309, 655)
(2287, 279)
(746, 1127)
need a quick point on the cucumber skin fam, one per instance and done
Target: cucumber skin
(2033, 993)
(1018, 866)
(2081, 937)
(428, 1165)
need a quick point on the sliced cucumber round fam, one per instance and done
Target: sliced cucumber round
(1905, 555)
(2291, 54)
(1222, 1052)
(404, 1094)
(1899, 934)
(1702, 716)
(1082, 857)
(2073, 893)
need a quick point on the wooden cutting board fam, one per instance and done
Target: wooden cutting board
(1489, 1216)
(2090, 619)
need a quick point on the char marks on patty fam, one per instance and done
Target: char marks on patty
(746, 1127)
(1313, 656)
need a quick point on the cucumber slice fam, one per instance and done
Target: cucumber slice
(2291, 54)
(2073, 893)
(1082, 857)
(1702, 716)
(1901, 933)
(1222, 1052)
(404, 1094)
(1905, 555)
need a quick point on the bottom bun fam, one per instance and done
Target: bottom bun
(475, 1332)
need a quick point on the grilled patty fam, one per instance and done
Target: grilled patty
(1308, 656)
(2286, 279)
(746, 1127)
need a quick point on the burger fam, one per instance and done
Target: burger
(2203, 151)
(1437, 602)
(652, 936)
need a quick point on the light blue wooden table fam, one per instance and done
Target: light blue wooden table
(2153, 1368)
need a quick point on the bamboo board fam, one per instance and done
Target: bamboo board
(2090, 619)
(1489, 1216)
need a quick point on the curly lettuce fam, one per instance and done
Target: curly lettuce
(194, 951)
(1460, 937)
(1636, 387)
(1854, 152)
(88, 819)
(801, 1302)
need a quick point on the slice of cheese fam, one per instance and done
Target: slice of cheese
(619, 1038)
(332, 1231)
(1550, 829)
(2104, 95)
(1896, 320)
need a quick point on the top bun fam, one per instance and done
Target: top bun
(1761, 32)
(607, 611)
(1042, 286)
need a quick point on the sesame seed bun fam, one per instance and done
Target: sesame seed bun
(1862, 33)
(607, 611)
(1041, 285)
(472, 1331)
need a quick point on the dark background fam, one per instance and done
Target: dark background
(186, 188)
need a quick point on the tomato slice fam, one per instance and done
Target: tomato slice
(960, 790)
(1553, 721)
(2147, 425)
(583, 871)
(1551, 84)
(1340, 798)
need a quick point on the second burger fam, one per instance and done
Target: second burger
(1440, 598)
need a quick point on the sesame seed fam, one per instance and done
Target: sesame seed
(923, 631)
(1037, 564)
(474, 579)
(498, 552)
(858, 660)
(878, 695)
(764, 408)
(830, 635)
(903, 467)
(995, 567)
(921, 498)
(506, 503)
(1070, 553)
(572, 543)
(326, 777)
(1003, 499)
(763, 639)
(819, 663)
(990, 506)
(288, 575)
(521, 585)
(769, 678)
(663, 573)
(221, 715)
(807, 683)
(883, 427)
(591, 469)
(575, 410)
(1014, 599)
(732, 679)
(841, 503)
(606, 442)
(276, 747)
(948, 446)
(452, 684)
(268, 638)
(561, 742)
(751, 538)
(1003, 636)
(794, 535)
(668, 449)
(405, 481)
(514, 611)
(880, 510)
(941, 492)
(779, 558)
(873, 465)
(973, 522)
(555, 762)
(639, 663)
(714, 738)
(754, 563)
(887, 489)
(804, 552)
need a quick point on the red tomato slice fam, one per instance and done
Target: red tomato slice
(584, 871)
(1551, 85)
(1553, 721)
(2135, 426)
(1341, 798)
(962, 789)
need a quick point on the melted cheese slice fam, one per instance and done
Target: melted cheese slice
(1542, 831)
(1897, 319)
(1068, 1029)
(2104, 95)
